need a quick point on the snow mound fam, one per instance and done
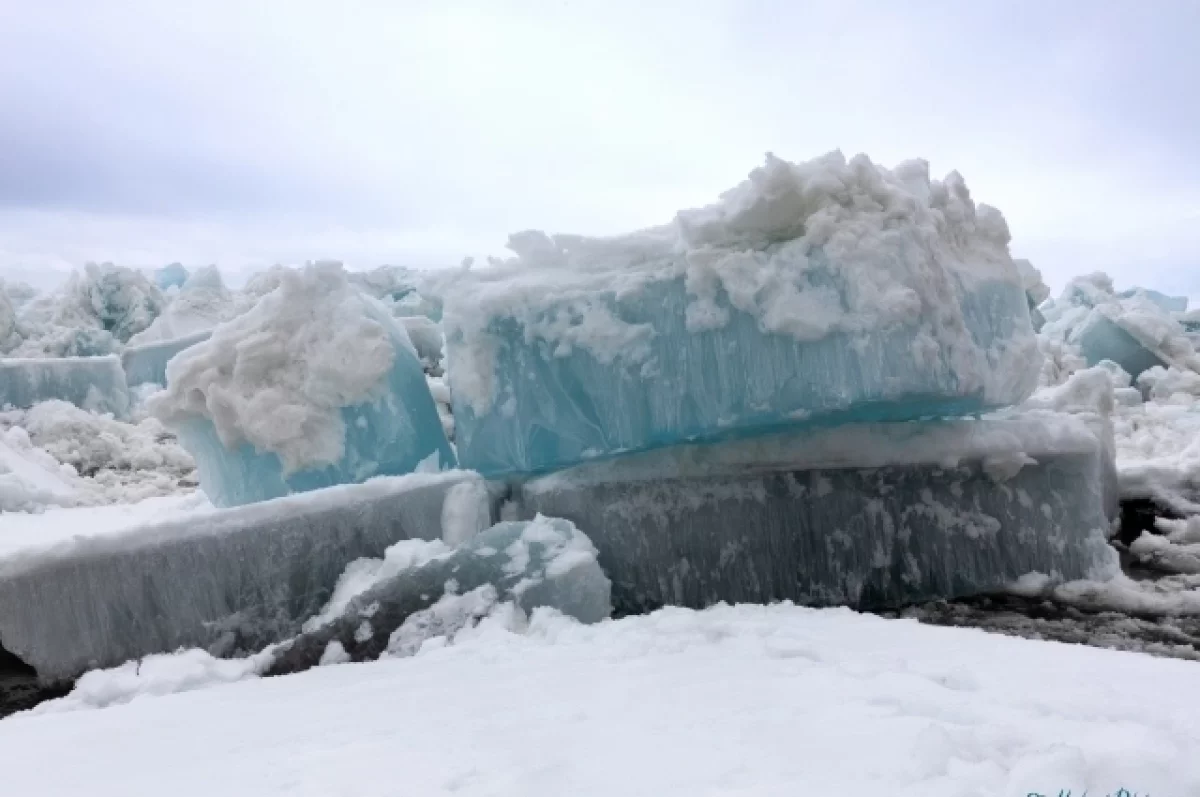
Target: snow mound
(278, 375)
(30, 479)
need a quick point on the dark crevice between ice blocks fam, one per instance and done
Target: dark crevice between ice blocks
(20, 689)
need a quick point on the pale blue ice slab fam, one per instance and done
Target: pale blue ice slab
(231, 581)
(738, 531)
(92, 383)
(148, 362)
(1099, 338)
(554, 411)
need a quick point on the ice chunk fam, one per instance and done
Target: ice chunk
(172, 276)
(202, 303)
(825, 292)
(867, 515)
(1100, 338)
(1090, 395)
(1031, 279)
(237, 581)
(120, 300)
(406, 292)
(92, 383)
(543, 562)
(316, 385)
(1169, 304)
(147, 363)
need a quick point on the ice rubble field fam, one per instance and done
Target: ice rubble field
(689, 386)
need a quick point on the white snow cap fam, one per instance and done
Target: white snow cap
(278, 375)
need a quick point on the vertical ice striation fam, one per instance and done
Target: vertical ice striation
(316, 385)
(819, 293)
(91, 383)
(232, 581)
(867, 515)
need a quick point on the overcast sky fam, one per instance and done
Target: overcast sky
(246, 133)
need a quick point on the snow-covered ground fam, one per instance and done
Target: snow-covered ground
(745, 700)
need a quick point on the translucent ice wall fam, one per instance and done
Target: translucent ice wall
(91, 383)
(819, 293)
(172, 276)
(316, 385)
(147, 363)
(543, 562)
(232, 582)
(862, 515)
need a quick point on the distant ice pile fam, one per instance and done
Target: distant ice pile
(823, 292)
(1137, 329)
(315, 385)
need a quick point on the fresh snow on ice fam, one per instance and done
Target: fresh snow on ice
(746, 700)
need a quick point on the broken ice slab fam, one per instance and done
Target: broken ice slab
(542, 562)
(870, 515)
(147, 363)
(392, 435)
(316, 385)
(553, 407)
(91, 383)
(813, 293)
(1101, 338)
(1169, 304)
(231, 581)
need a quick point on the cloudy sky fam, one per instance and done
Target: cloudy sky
(246, 133)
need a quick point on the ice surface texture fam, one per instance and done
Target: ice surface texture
(315, 385)
(821, 293)
(869, 515)
(147, 363)
(91, 383)
(1100, 338)
(544, 562)
(232, 581)
(1169, 304)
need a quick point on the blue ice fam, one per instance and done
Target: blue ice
(148, 362)
(390, 436)
(172, 276)
(1099, 338)
(555, 411)
(91, 383)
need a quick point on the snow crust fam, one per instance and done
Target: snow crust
(681, 703)
(278, 376)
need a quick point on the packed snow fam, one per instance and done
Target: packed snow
(761, 700)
